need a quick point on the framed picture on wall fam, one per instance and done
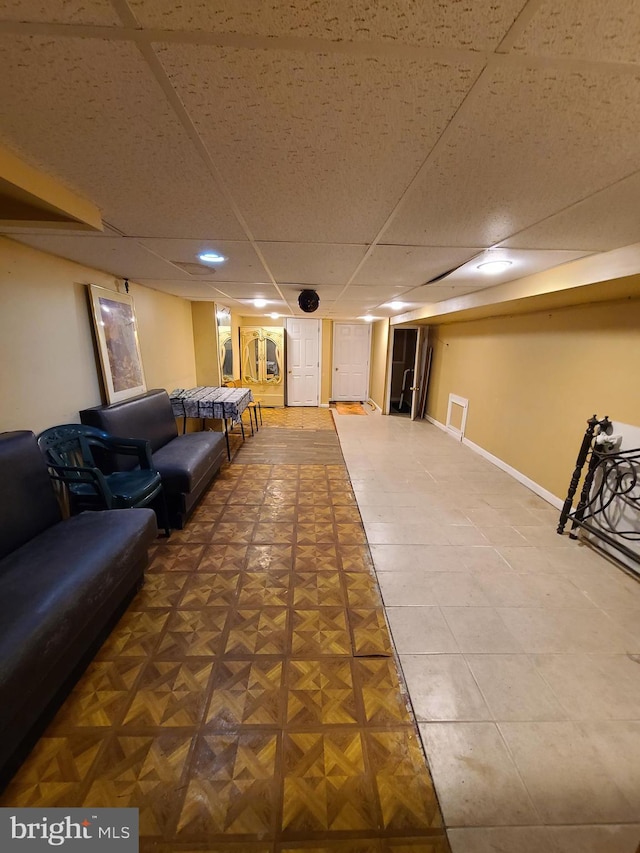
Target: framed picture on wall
(116, 331)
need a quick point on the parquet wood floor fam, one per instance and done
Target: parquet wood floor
(248, 699)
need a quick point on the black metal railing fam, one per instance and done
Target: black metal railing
(609, 504)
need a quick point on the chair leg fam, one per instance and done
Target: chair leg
(260, 410)
(242, 428)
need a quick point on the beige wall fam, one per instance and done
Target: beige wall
(48, 367)
(379, 362)
(205, 339)
(533, 380)
(165, 328)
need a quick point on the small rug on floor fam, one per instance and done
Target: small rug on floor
(350, 409)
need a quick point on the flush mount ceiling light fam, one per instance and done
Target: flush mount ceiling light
(259, 303)
(494, 267)
(368, 317)
(212, 257)
(395, 306)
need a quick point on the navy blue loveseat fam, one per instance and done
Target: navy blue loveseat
(63, 583)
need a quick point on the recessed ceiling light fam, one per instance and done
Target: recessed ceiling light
(368, 317)
(259, 303)
(494, 267)
(274, 316)
(395, 306)
(212, 257)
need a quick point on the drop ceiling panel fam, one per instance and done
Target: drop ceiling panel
(479, 25)
(312, 263)
(355, 307)
(128, 154)
(294, 309)
(591, 29)
(316, 143)
(242, 264)
(286, 130)
(527, 143)
(340, 313)
(439, 292)
(607, 220)
(116, 255)
(410, 266)
(248, 290)
(185, 289)
(324, 291)
(523, 262)
(98, 12)
(379, 293)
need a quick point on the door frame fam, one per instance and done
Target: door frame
(286, 349)
(386, 409)
(421, 371)
(421, 330)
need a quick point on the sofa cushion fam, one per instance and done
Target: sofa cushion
(51, 588)
(28, 503)
(187, 459)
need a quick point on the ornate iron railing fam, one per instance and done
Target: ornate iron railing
(609, 504)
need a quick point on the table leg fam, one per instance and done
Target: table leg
(226, 438)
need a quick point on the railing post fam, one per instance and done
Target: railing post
(575, 479)
(604, 426)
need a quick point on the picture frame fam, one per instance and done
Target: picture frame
(116, 331)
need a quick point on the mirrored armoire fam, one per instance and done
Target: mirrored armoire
(262, 362)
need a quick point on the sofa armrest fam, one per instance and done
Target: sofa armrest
(92, 477)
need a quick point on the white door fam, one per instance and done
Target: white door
(303, 362)
(351, 343)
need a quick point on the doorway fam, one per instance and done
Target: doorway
(409, 368)
(403, 361)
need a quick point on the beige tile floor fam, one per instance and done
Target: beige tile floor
(520, 648)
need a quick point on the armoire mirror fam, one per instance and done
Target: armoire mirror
(262, 349)
(225, 347)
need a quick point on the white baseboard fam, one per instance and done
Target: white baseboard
(539, 490)
(436, 423)
(323, 406)
(373, 403)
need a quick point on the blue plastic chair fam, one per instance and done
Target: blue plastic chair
(73, 451)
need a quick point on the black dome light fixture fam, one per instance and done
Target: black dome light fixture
(308, 301)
